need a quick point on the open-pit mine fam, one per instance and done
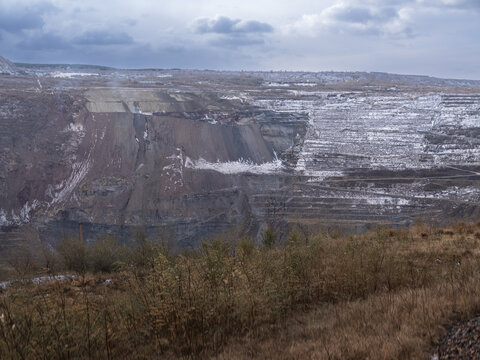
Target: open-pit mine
(197, 154)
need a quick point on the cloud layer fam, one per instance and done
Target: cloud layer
(99, 37)
(225, 25)
(14, 19)
(435, 37)
(361, 19)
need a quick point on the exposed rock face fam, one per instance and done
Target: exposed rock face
(388, 156)
(200, 153)
(7, 67)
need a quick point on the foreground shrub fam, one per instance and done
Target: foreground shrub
(166, 305)
(106, 255)
(74, 254)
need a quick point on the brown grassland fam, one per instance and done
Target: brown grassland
(385, 294)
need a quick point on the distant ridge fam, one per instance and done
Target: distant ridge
(7, 67)
(63, 66)
(358, 78)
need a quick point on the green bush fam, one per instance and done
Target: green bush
(74, 254)
(106, 255)
(269, 237)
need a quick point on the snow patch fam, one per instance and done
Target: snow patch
(65, 188)
(78, 128)
(139, 111)
(3, 218)
(276, 84)
(37, 280)
(235, 167)
(232, 97)
(70, 75)
(320, 175)
(174, 171)
(384, 200)
(306, 84)
(23, 217)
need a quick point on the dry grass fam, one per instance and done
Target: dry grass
(382, 295)
(401, 325)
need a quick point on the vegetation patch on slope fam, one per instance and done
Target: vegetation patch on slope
(386, 294)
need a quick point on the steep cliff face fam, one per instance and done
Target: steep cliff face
(115, 159)
(200, 153)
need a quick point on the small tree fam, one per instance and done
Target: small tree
(145, 250)
(49, 258)
(269, 238)
(105, 254)
(74, 254)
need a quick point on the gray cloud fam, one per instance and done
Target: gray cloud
(452, 4)
(364, 15)
(237, 41)
(372, 18)
(44, 42)
(473, 4)
(225, 25)
(232, 33)
(349, 13)
(353, 14)
(97, 37)
(17, 18)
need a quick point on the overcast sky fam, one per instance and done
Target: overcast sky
(431, 37)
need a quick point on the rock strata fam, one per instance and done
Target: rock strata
(200, 153)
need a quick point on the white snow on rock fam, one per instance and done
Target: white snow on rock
(235, 167)
(22, 217)
(78, 128)
(62, 191)
(386, 200)
(70, 75)
(382, 131)
(318, 176)
(275, 84)
(7, 67)
(3, 218)
(233, 97)
(306, 84)
(174, 171)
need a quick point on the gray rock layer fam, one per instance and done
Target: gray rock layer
(201, 153)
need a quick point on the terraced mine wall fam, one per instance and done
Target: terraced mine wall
(196, 154)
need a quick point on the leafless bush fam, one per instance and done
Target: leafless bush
(362, 290)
